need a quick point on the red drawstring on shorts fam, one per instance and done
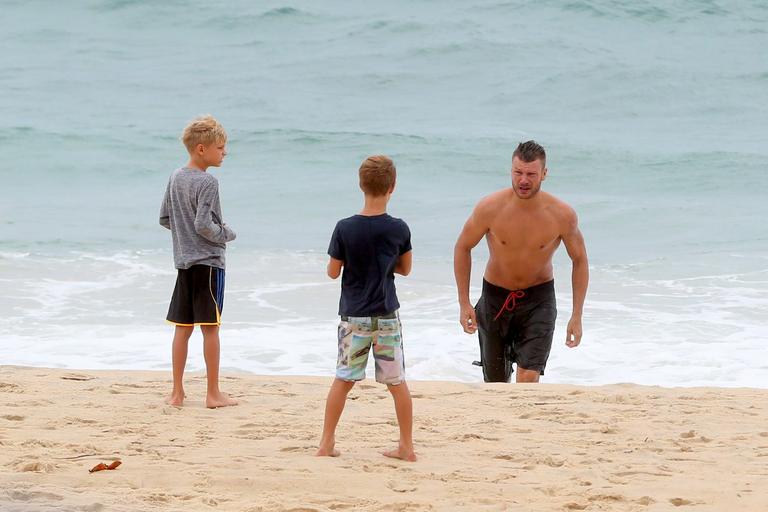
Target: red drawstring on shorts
(512, 297)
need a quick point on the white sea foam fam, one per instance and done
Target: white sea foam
(280, 318)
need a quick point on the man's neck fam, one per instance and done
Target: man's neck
(532, 203)
(375, 205)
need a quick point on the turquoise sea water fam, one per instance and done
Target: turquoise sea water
(653, 114)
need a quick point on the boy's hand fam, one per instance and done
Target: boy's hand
(468, 319)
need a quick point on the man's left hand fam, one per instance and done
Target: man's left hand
(573, 335)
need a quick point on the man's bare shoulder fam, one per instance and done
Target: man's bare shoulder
(560, 209)
(492, 202)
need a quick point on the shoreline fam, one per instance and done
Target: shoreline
(480, 446)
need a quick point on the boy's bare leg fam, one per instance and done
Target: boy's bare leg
(334, 406)
(211, 350)
(179, 359)
(404, 410)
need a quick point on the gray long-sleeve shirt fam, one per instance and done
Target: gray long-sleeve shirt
(191, 210)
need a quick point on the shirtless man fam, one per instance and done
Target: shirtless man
(516, 313)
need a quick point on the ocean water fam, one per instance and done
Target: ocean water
(654, 115)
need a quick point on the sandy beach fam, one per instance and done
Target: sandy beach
(481, 447)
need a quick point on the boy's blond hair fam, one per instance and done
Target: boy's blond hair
(377, 175)
(205, 130)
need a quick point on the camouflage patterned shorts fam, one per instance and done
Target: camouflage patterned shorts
(356, 336)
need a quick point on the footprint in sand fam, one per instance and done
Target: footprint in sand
(579, 481)
(574, 506)
(610, 498)
(549, 461)
(35, 443)
(256, 435)
(93, 507)
(211, 501)
(297, 448)
(34, 495)
(506, 456)
(135, 386)
(407, 506)
(342, 506)
(79, 421)
(401, 487)
(13, 417)
(76, 376)
(7, 387)
(688, 435)
(472, 437)
(633, 473)
(36, 467)
(679, 502)
(157, 498)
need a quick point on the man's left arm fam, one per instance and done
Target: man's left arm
(577, 251)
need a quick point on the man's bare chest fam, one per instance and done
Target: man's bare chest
(524, 232)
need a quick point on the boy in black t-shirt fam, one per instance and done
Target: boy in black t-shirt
(371, 247)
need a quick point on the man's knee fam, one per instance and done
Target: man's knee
(525, 375)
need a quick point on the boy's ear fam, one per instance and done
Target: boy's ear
(200, 149)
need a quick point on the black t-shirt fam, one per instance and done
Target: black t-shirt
(369, 246)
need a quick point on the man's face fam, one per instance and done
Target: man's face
(527, 177)
(213, 154)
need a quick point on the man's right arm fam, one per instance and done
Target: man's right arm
(473, 231)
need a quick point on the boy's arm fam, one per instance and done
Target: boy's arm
(404, 264)
(336, 253)
(334, 267)
(165, 216)
(405, 260)
(207, 221)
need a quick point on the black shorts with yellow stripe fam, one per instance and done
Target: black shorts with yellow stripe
(198, 297)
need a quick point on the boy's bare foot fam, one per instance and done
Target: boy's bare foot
(176, 399)
(327, 451)
(213, 401)
(401, 453)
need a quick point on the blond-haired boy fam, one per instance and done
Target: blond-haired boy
(371, 247)
(191, 210)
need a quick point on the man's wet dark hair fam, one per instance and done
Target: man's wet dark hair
(530, 151)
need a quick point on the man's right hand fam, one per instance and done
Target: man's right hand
(467, 319)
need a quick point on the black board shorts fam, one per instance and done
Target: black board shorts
(515, 326)
(198, 298)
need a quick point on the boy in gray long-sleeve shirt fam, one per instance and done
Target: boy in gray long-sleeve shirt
(192, 212)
